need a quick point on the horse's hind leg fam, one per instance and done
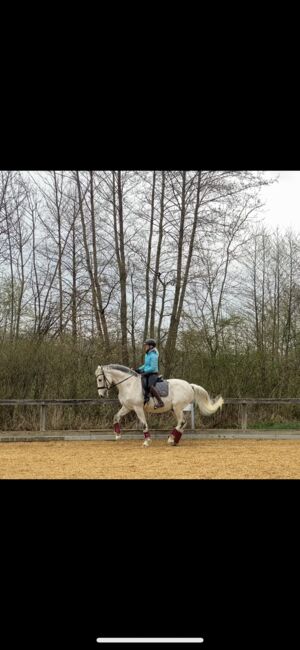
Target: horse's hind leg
(141, 415)
(176, 434)
(123, 411)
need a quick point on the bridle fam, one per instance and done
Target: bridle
(108, 385)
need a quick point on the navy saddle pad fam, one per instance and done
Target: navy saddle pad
(162, 387)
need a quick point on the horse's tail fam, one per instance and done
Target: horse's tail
(205, 404)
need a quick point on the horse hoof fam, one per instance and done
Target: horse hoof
(118, 437)
(147, 442)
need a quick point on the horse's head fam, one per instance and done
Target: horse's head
(102, 383)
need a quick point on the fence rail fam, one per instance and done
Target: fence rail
(244, 403)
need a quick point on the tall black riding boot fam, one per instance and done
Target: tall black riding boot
(156, 394)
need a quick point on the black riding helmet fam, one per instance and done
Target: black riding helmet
(150, 342)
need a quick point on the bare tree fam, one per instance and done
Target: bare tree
(148, 265)
(91, 259)
(120, 255)
(157, 274)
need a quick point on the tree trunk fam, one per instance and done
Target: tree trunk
(120, 254)
(95, 268)
(88, 261)
(74, 281)
(147, 278)
(58, 205)
(12, 279)
(158, 254)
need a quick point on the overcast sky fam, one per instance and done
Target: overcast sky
(282, 200)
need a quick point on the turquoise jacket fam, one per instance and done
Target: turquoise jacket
(150, 361)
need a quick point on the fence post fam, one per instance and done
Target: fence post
(244, 415)
(43, 417)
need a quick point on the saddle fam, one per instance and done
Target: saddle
(162, 386)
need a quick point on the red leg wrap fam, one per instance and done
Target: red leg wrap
(177, 435)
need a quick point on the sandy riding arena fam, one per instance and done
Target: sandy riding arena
(192, 459)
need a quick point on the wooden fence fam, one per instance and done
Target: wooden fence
(243, 404)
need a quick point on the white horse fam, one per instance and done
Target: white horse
(129, 385)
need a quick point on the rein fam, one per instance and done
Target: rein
(108, 386)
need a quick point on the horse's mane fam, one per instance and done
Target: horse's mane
(116, 366)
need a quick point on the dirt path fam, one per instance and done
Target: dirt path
(206, 459)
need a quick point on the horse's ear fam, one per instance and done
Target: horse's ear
(97, 370)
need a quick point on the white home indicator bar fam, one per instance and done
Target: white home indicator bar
(149, 640)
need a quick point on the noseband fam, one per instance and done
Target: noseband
(107, 385)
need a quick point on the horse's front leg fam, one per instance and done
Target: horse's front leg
(141, 415)
(123, 411)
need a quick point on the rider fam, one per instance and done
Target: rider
(149, 371)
